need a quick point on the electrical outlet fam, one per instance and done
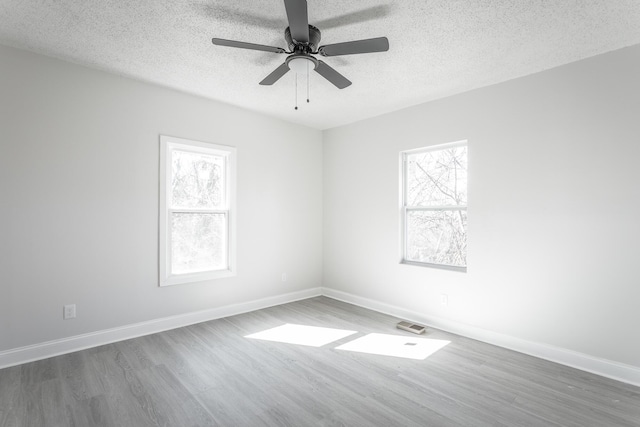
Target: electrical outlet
(69, 312)
(284, 277)
(444, 300)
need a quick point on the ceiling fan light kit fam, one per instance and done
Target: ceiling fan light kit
(301, 63)
(303, 42)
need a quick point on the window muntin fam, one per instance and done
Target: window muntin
(434, 206)
(196, 211)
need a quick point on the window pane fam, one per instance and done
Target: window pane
(437, 177)
(437, 237)
(198, 242)
(197, 180)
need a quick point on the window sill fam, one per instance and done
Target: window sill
(438, 266)
(195, 277)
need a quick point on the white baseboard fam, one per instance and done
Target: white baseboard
(603, 367)
(47, 349)
(606, 368)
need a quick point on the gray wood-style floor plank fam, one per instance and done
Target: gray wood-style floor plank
(10, 387)
(210, 374)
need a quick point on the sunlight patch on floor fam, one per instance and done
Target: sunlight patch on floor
(313, 336)
(395, 345)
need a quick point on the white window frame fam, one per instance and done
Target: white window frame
(405, 209)
(167, 145)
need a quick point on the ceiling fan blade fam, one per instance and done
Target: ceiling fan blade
(332, 75)
(244, 45)
(380, 44)
(298, 19)
(275, 75)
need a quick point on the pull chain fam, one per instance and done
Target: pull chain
(307, 82)
(296, 91)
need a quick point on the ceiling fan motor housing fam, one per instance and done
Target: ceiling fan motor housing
(312, 46)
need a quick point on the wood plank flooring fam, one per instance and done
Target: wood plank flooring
(210, 375)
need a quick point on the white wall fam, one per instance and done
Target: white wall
(79, 155)
(554, 208)
(553, 204)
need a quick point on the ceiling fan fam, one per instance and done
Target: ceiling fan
(302, 40)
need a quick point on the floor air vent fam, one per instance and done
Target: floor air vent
(411, 327)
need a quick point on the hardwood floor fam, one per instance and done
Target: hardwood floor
(210, 375)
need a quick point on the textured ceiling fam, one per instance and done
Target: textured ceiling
(437, 47)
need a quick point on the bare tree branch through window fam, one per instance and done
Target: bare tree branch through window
(435, 206)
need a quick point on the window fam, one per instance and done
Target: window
(434, 206)
(197, 209)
